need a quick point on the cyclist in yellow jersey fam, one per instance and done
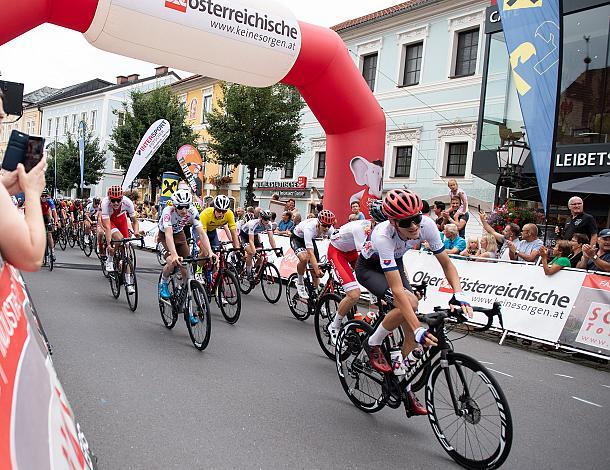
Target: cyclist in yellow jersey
(217, 216)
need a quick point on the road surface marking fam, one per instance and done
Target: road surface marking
(503, 373)
(566, 376)
(607, 386)
(589, 402)
(489, 363)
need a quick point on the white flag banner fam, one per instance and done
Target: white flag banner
(150, 143)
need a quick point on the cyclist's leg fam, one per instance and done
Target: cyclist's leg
(182, 249)
(341, 263)
(316, 279)
(298, 246)
(87, 226)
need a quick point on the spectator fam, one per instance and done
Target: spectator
(510, 233)
(257, 212)
(489, 246)
(456, 217)
(315, 200)
(291, 207)
(240, 214)
(597, 260)
(455, 191)
(472, 248)
(561, 257)
(352, 218)
(286, 224)
(273, 223)
(578, 241)
(425, 210)
(250, 209)
(528, 248)
(275, 197)
(579, 221)
(454, 244)
(438, 208)
(311, 215)
(355, 207)
(440, 225)
(154, 212)
(26, 242)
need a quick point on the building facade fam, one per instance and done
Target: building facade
(423, 62)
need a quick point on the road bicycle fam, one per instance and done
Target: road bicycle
(187, 296)
(89, 241)
(124, 273)
(71, 233)
(48, 260)
(61, 237)
(263, 272)
(467, 409)
(302, 309)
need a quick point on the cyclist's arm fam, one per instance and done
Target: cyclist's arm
(169, 241)
(251, 242)
(449, 270)
(400, 298)
(205, 243)
(235, 238)
(135, 224)
(271, 240)
(55, 218)
(489, 229)
(107, 229)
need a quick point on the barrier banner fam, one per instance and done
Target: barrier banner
(151, 141)
(38, 429)
(191, 163)
(533, 304)
(588, 325)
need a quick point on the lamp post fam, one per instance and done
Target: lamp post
(511, 158)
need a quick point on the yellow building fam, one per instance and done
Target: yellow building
(199, 94)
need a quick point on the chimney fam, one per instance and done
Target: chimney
(120, 79)
(133, 77)
(162, 69)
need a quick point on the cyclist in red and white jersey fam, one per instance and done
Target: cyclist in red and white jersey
(115, 209)
(343, 254)
(49, 214)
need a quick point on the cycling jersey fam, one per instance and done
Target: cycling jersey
(351, 236)
(385, 243)
(308, 230)
(210, 222)
(118, 218)
(48, 206)
(92, 211)
(254, 227)
(171, 218)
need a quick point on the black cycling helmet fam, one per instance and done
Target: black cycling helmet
(375, 210)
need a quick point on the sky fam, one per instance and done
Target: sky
(53, 56)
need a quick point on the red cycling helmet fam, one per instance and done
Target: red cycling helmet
(115, 192)
(401, 204)
(326, 217)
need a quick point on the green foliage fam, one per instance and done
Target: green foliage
(68, 163)
(256, 127)
(145, 109)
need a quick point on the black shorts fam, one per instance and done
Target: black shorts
(370, 275)
(245, 239)
(298, 246)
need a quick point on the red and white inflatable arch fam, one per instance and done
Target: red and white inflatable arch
(253, 42)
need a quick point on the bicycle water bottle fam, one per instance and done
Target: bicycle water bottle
(358, 316)
(412, 359)
(209, 277)
(371, 317)
(398, 366)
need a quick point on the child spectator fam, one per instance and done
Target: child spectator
(472, 248)
(489, 246)
(455, 191)
(561, 253)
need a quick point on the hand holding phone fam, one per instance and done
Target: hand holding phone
(23, 148)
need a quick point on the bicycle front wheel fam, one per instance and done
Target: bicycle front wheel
(271, 283)
(299, 307)
(88, 244)
(326, 309)
(479, 434)
(131, 287)
(50, 257)
(166, 307)
(199, 308)
(228, 296)
(61, 239)
(71, 237)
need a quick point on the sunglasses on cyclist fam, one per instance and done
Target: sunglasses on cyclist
(116, 200)
(406, 223)
(220, 211)
(181, 208)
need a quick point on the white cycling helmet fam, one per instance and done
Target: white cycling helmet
(182, 197)
(222, 202)
(265, 214)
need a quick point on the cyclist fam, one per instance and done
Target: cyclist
(49, 213)
(115, 208)
(304, 246)
(342, 254)
(91, 212)
(171, 234)
(249, 236)
(217, 216)
(61, 207)
(380, 269)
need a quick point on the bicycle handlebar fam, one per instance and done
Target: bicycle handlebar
(495, 310)
(127, 240)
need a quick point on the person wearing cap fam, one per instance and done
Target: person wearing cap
(597, 260)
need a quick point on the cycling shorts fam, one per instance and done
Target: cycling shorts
(245, 239)
(370, 274)
(119, 224)
(343, 263)
(182, 246)
(214, 240)
(298, 245)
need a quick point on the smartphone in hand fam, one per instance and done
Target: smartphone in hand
(33, 152)
(23, 148)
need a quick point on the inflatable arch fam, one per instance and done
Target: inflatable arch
(251, 42)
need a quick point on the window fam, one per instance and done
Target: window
(321, 166)
(92, 123)
(466, 54)
(73, 123)
(456, 159)
(56, 125)
(226, 170)
(65, 125)
(260, 172)
(413, 57)
(369, 69)
(50, 124)
(83, 117)
(121, 119)
(288, 171)
(206, 108)
(402, 161)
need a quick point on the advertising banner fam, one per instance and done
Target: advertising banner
(192, 166)
(169, 183)
(37, 426)
(588, 325)
(531, 30)
(151, 141)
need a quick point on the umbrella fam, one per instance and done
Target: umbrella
(594, 184)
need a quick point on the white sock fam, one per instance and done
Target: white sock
(380, 334)
(337, 322)
(301, 278)
(164, 280)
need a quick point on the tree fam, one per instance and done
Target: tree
(68, 163)
(256, 127)
(145, 109)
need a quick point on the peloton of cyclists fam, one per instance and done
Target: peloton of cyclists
(304, 246)
(380, 270)
(249, 236)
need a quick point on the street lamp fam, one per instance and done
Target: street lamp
(511, 158)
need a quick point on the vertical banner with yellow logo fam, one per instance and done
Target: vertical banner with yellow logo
(532, 29)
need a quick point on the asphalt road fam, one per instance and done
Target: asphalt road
(262, 395)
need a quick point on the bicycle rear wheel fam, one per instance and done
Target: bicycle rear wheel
(132, 298)
(88, 245)
(326, 309)
(166, 307)
(61, 239)
(228, 296)
(200, 309)
(299, 307)
(49, 257)
(271, 283)
(479, 435)
(71, 237)
(361, 383)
